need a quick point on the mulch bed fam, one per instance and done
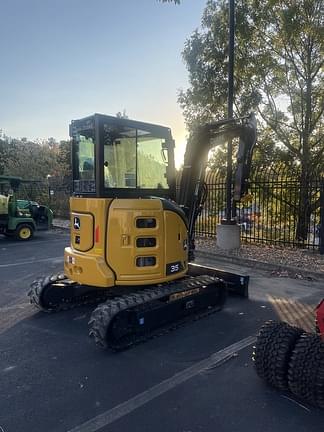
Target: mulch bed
(303, 259)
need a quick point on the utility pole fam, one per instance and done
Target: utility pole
(228, 231)
(229, 172)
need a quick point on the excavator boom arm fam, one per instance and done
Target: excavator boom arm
(192, 191)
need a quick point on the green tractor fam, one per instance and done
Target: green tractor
(20, 218)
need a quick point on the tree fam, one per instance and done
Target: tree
(278, 74)
(42, 160)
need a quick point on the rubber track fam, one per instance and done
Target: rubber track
(272, 352)
(37, 288)
(103, 315)
(306, 370)
(39, 285)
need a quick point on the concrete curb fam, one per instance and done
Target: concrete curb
(260, 265)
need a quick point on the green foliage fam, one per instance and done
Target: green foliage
(46, 161)
(278, 74)
(27, 159)
(151, 172)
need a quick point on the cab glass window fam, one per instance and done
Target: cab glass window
(84, 161)
(133, 158)
(119, 157)
(151, 162)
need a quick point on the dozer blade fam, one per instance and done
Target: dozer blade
(130, 319)
(235, 283)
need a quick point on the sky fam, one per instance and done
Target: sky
(66, 59)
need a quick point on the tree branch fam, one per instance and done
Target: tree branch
(313, 123)
(318, 68)
(292, 60)
(280, 134)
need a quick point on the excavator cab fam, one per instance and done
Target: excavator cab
(121, 158)
(132, 234)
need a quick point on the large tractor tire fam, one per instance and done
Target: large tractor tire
(306, 370)
(24, 232)
(272, 352)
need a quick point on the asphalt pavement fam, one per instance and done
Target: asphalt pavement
(197, 378)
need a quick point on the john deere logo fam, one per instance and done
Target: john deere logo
(76, 223)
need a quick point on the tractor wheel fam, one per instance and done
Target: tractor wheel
(306, 370)
(24, 232)
(272, 352)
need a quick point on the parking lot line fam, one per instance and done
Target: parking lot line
(35, 261)
(143, 398)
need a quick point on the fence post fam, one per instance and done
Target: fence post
(321, 239)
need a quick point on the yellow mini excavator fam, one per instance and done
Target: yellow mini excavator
(132, 228)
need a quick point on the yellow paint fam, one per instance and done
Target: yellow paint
(122, 254)
(183, 294)
(113, 260)
(175, 237)
(94, 269)
(86, 223)
(87, 269)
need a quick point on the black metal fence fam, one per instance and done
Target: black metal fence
(54, 192)
(277, 211)
(59, 192)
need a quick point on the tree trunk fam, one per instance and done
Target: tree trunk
(305, 194)
(304, 211)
